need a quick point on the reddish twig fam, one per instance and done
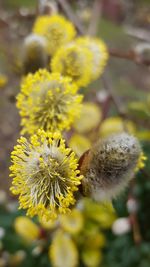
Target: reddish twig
(129, 55)
(135, 228)
(137, 236)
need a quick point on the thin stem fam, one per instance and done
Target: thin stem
(137, 236)
(129, 55)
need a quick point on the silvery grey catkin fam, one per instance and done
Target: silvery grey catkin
(34, 54)
(109, 165)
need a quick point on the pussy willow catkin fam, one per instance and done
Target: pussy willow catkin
(109, 166)
(45, 175)
(34, 54)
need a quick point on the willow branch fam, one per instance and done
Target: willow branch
(129, 55)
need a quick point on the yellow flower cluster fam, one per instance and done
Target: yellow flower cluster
(47, 101)
(45, 172)
(90, 117)
(63, 251)
(83, 60)
(45, 175)
(99, 53)
(79, 144)
(74, 61)
(3, 80)
(27, 229)
(141, 162)
(114, 125)
(56, 29)
(80, 235)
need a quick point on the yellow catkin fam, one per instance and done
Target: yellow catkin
(72, 222)
(27, 229)
(47, 101)
(56, 29)
(99, 54)
(45, 175)
(74, 61)
(63, 251)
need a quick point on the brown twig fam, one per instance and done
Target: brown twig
(137, 236)
(135, 228)
(129, 55)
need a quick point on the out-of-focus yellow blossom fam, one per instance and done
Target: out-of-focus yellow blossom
(56, 29)
(102, 213)
(27, 229)
(95, 240)
(138, 107)
(89, 119)
(47, 224)
(92, 257)
(74, 61)
(72, 222)
(141, 162)
(85, 14)
(45, 175)
(16, 258)
(116, 125)
(79, 144)
(140, 110)
(3, 80)
(47, 101)
(63, 251)
(99, 54)
(143, 135)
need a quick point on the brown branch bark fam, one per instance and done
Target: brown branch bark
(129, 55)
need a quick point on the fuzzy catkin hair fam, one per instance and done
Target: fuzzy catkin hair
(109, 166)
(34, 54)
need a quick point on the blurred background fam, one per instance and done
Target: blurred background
(119, 236)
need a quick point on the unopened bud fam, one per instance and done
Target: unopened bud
(109, 166)
(34, 53)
